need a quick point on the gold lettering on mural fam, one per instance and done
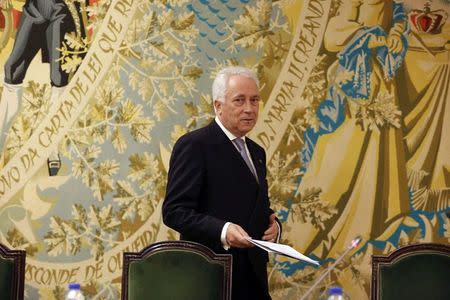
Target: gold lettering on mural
(65, 109)
(6, 180)
(109, 38)
(94, 272)
(285, 96)
(282, 100)
(114, 262)
(50, 276)
(94, 66)
(45, 137)
(123, 7)
(78, 89)
(28, 158)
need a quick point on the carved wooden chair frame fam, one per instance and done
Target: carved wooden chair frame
(225, 260)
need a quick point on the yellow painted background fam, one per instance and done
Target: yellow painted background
(107, 196)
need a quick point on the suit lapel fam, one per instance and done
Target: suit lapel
(218, 136)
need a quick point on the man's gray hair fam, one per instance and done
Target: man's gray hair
(220, 84)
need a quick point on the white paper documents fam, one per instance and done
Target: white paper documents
(283, 250)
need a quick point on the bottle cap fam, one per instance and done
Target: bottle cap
(74, 286)
(335, 290)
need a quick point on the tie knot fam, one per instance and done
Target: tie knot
(239, 143)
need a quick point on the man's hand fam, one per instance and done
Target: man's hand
(272, 232)
(236, 237)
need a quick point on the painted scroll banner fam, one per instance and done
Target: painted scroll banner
(294, 75)
(71, 103)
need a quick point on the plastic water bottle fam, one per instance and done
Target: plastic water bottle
(74, 292)
(335, 293)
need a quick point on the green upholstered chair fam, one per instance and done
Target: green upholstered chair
(178, 270)
(420, 271)
(12, 273)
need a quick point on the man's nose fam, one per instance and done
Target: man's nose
(248, 107)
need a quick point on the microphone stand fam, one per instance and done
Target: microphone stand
(353, 244)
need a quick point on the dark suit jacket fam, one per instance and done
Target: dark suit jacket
(210, 184)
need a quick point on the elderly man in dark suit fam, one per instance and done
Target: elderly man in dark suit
(217, 191)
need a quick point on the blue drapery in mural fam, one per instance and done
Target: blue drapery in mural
(354, 59)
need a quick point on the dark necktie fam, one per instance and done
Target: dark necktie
(240, 144)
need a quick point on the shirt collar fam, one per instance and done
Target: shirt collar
(226, 131)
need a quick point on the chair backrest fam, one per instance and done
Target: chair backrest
(12, 273)
(176, 270)
(420, 271)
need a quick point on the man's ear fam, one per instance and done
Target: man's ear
(217, 106)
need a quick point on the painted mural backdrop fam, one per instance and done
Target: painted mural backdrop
(355, 123)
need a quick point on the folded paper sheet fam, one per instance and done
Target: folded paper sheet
(283, 250)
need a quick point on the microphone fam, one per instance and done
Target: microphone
(353, 244)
